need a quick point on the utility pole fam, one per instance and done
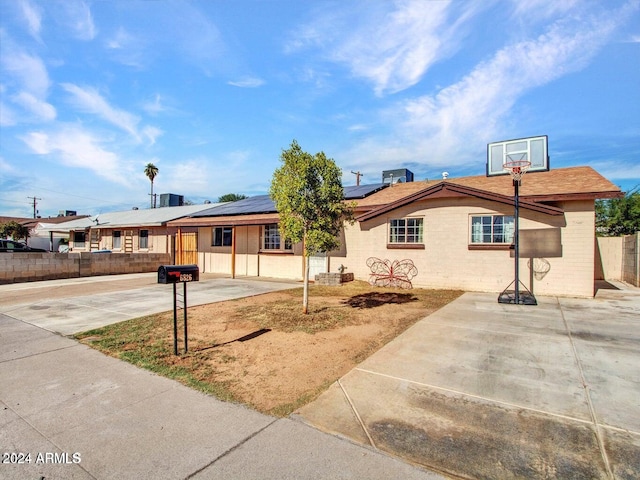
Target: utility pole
(358, 175)
(35, 203)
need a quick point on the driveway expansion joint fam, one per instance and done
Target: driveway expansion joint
(592, 411)
(232, 449)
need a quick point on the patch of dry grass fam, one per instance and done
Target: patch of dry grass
(293, 358)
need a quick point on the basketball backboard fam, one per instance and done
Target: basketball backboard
(539, 243)
(532, 149)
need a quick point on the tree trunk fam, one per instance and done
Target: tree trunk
(305, 289)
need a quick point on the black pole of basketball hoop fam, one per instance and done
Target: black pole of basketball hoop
(505, 297)
(516, 185)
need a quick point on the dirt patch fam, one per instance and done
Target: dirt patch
(262, 351)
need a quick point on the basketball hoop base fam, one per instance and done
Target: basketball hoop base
(525, 297)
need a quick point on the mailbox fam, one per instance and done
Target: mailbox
(178, 273)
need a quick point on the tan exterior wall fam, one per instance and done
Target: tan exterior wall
(159, 240)
(28, 267)
(250, 260)
(447, 261)
(609, 258)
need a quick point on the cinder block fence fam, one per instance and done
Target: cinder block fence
(29, 267)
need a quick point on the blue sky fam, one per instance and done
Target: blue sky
(211, 92)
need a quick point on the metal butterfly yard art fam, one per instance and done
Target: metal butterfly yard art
(385, 273)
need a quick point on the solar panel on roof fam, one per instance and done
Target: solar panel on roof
(264, 204)
(361, 191)
(257, 204)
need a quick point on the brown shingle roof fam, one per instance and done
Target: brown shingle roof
(557, 184)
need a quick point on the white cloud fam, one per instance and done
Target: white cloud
(539, 9)
(616, 170)
(33, 17)
(8, 116)
(42, 110)
(77, 148)
(27, 86)
(128, 49)
(445, 128)
(151, 133)
(247, 82)
(6, 167)
(155, 106)
(89, 100)
(392, 48)
(191, 177)
(76, 15)
(29, 71)
(122, 39)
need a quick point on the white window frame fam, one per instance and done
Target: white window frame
(491, 229)
(406, 230)
(119, 237)
(271, 240)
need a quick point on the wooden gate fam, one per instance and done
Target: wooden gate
(186, 248)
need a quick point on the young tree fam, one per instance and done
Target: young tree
(231, 197)
(15, 230)
(618, 216)
(307, 192)
(151, 171)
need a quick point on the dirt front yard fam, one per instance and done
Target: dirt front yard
(262, 351)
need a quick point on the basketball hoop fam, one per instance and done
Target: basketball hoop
(516, 168)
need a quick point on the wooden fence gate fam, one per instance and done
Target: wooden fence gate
(186, 248)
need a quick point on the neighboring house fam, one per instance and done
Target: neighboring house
(458, 233)
(243, 238)
(41, 234)
(131, 231)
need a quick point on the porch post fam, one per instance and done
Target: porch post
(233, 252)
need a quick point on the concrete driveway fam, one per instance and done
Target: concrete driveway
(475, 390)
(485, 390)
(80, 304)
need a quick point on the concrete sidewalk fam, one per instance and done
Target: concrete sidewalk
(485, 390)
(79, 414)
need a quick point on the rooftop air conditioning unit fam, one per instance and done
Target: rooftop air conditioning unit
(400, 175)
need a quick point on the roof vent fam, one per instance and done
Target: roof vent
(445, 175)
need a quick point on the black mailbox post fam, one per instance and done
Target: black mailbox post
(174, 274)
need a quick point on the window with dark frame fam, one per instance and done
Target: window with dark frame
(492, 229)
(79, 239)
(222, 236)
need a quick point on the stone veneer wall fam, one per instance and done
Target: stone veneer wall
(334, 279)
(29, 267)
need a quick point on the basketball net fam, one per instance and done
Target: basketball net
(517, 168)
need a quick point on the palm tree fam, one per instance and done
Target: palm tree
(151, 171)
